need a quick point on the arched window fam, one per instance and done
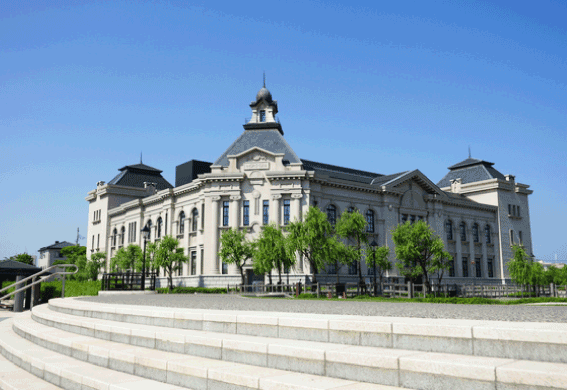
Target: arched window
(449, 230)
(370, 221)
(114, 235)
(122, 234)
(463, 231)
(475, 232)
(487, 234)
(351, 209)
(181, 228)
(194, 217)
(332, 214)
(159, 225)
(149, 225)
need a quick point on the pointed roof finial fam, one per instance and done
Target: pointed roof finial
(140, 157)
(469, 151)
(264, 79)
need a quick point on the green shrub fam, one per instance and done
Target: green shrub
(192, 290)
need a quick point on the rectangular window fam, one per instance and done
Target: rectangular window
(465, 267)
(511, 237)
(225, 213)
(353, 268)
(286, 204)
(452, 268)
(449, 230)
(509, 209)
(477, 264)
(520, 238)
(246, 212)
(370, 221)
(165, 231)
(490, 268)
(487, 234)
(203, 216)
(412, 218)
(93, 243)
(97, 241)
(224, 268)
(475, 233)
(202, 260)
(266, 212)
(404, 218)
(518, 210)
(193, 263)
(331, 269)
(262, 115)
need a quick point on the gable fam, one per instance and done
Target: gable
(412, 181)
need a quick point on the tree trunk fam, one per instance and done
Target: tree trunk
(270, 276)
(240, 267)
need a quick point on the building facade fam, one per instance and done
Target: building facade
(51, 253)
(259, 180)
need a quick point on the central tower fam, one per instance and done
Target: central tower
(264, 110)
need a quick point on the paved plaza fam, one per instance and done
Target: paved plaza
(522, 313)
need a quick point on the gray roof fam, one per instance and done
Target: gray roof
(57, 245)
(12, 267)
(268, 139)
(336, 172)
(469, 171)
(135, 176)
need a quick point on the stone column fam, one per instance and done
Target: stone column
(275, 209)
(459, 259)
(296, 207)
(234, 211)
(19, 297)
(472, 249)
(485, 254)
(213, 229)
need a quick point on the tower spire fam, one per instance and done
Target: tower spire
(264, 79)
(140, 157)
(469, 151)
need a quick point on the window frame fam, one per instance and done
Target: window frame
(331, 211)
(181, 226)
(286, 211)
(246, 213)
(369, 221)
(476, 236)
(449, 230)
(225, 213)
(266, 212)
(463, 231)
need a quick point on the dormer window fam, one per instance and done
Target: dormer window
(262, 115)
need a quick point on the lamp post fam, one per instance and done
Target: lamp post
(146, 235)
(373, 245)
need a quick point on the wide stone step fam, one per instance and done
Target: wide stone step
(13, 377)
(64, 371)
(187, 371)
(409, 369)
(546, 342)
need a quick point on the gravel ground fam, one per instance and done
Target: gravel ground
(390, 309)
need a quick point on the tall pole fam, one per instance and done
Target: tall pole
(375, 269)
(144, 266)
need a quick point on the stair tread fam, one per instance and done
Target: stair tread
(13, 377)
(67, 366)
(224, 371)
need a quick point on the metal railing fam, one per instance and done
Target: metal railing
(118, 281)
(37, 274)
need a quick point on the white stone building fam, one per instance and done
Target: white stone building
(51, 253)
(259, 179)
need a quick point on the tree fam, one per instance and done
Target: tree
(520, 266)
(95, 264)
(271, 252)
(169, 257)
(76, 255)
(24, 258)
(339, 255)
(441, 264)
(311, 238)
(129, 258)
(236, 250)
(418, 250)
(352, 226)
(379, 260)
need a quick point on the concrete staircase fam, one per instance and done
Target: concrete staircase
(74, 344)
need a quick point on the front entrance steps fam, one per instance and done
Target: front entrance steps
(70, 342)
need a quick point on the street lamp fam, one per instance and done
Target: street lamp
(373, 245)
(146, 235)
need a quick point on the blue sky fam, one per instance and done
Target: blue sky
(381, 86)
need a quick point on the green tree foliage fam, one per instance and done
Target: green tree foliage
(169, 257)
(95, 264)
(75, 255)
(312, 239)
(272, 252)
(379, 258)
(418, 250)
(151, 249)
(236, 250)
(352, 226)
(24, 258)
(520, 266)
(129, 258)
(339, 255)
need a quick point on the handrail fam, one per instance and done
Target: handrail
(41, 280)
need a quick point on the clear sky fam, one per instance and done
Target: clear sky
(385, 86)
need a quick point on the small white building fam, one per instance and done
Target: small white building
(259, 179)
(49, 254)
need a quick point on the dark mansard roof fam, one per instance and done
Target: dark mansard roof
(135, 176)
(469, 171)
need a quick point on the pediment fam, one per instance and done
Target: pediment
(416, 182)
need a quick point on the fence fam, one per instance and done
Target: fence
(403, 290)
(127, 281)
